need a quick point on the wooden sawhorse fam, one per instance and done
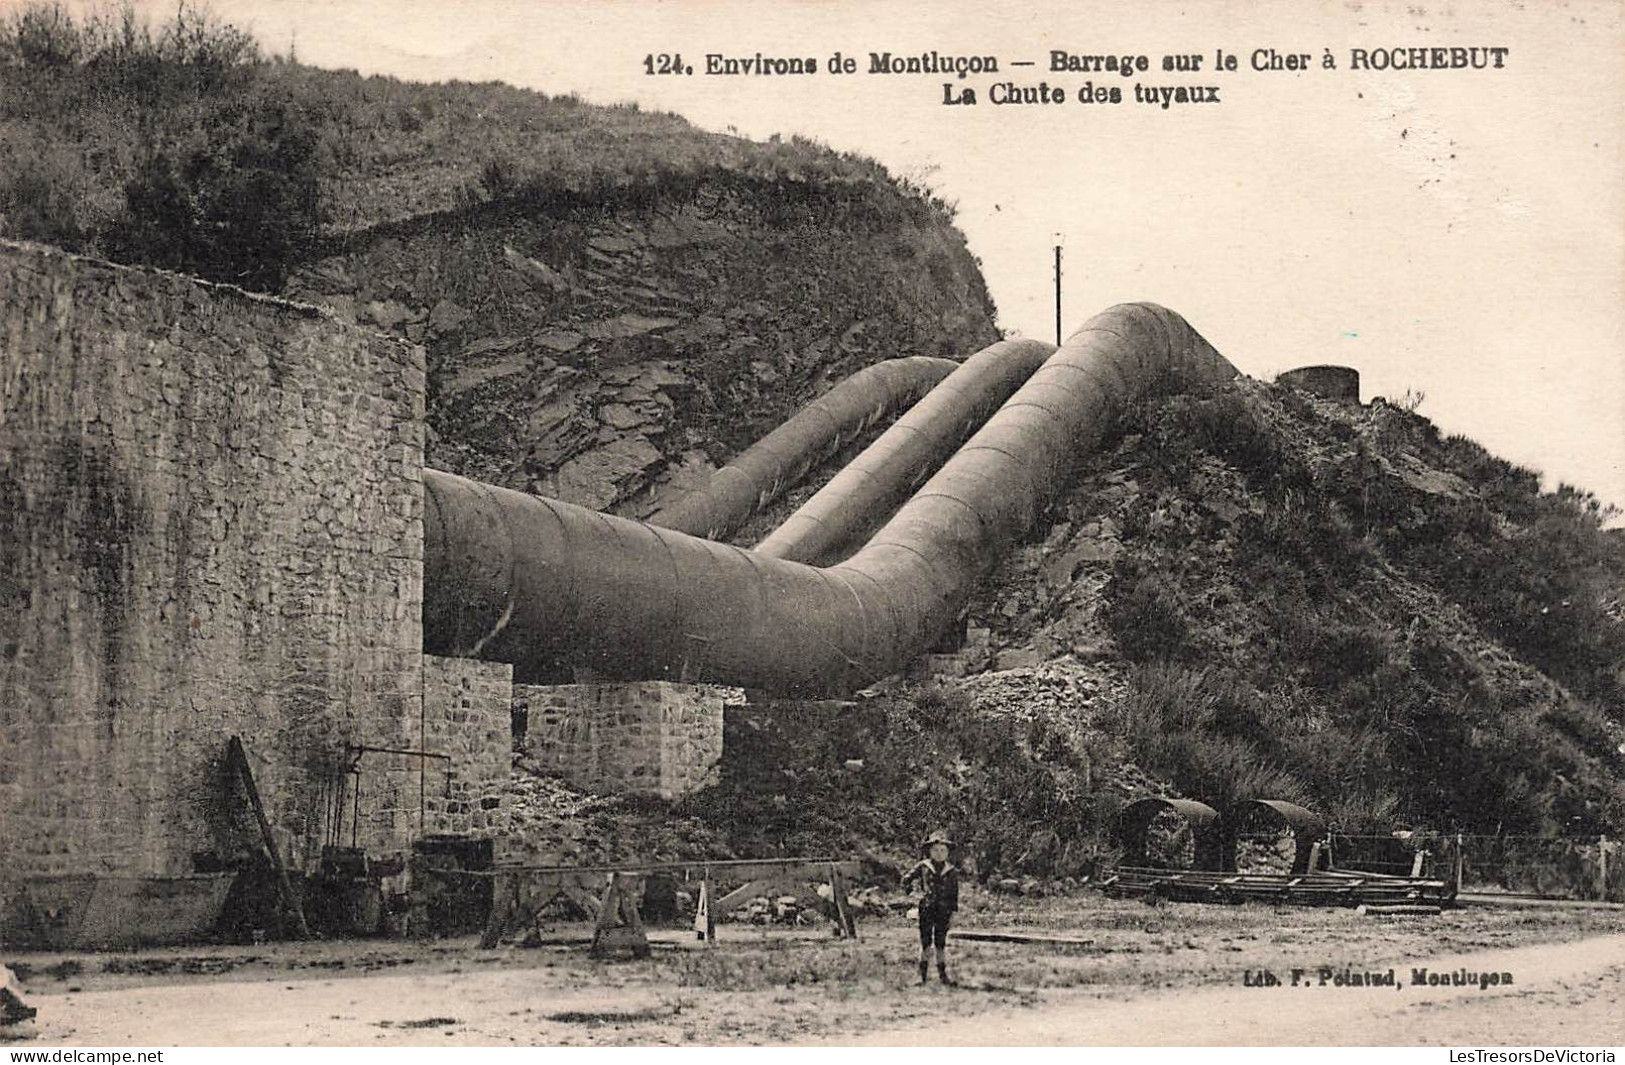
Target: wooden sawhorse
(612, 894)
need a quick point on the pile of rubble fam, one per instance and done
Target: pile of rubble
(547, 822)
(784, 909)
(1063, 689)
(867, 902)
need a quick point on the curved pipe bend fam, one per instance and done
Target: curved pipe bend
(544, 584)
(757, 475)
(871, 486)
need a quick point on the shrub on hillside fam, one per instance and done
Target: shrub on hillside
(1228, 425)
(1308, 532)
(1540, 584)
(1207, 733)
(41, 38)
(57, 68)
(1144, 616)
(215, 170)
(42, 193)
(242, 207)
(1328, 651)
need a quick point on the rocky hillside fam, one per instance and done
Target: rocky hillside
(611, 300)
(1257, 592)
(1332, 602)
(601, 352)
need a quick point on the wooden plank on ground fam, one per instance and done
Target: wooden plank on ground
(1024, 938)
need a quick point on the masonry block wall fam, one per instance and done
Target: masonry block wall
(210, 523)
(1333, 382)
(468, 715)
(558, 728)
(651, 737)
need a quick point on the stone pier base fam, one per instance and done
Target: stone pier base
(648, 737)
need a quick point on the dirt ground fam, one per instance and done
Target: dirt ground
(1173, 974)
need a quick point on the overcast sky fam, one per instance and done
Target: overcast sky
(1458, 233)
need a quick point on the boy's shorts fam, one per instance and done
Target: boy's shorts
(934, 927)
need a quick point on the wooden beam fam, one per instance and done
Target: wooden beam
(733, 869)
(619, 923)
(237, 759)
(741, 895)
(843, 913)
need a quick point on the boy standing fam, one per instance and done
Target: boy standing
(939, 899)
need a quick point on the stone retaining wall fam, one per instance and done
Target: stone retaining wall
(210, 524)
(467, 707)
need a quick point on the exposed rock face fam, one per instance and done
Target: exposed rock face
(599, 354)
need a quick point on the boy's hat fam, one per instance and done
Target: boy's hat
(936, 837)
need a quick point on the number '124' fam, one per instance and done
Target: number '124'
(665, 63)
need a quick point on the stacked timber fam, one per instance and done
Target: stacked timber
(1325, 887)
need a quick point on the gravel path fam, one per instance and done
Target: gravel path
(1562, 994)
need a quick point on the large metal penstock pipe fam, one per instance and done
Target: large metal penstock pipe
(869, 488)
(541, 583)
(759, 473)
